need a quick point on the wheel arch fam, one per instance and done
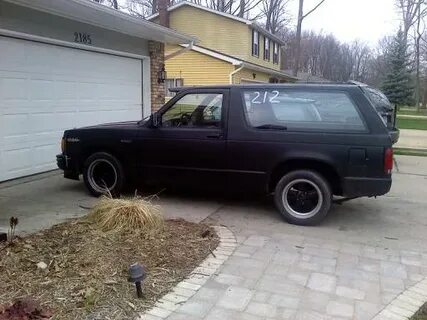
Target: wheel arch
(88, 151)
(321, 166)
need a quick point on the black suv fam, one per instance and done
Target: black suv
(303, 142)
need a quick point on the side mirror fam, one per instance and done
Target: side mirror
(155, 120)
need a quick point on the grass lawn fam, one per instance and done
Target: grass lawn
(412, 112)
(410, 152)
(419, 124)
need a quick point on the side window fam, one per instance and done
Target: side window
(255, 43)
(266, 48)
(172, 83)
(302, 110)
(195, 110)
(275, 53)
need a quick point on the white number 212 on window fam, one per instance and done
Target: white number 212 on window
(262, 97)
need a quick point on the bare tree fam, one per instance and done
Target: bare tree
(111, 3)
(324, 56)
(301, 17)
(275, 14)
(409, 10)
(142, 8)
(360, 52)
(244, 7)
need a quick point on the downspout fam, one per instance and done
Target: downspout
(234, 72)
(180, 51)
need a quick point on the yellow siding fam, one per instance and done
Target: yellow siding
(248, 75)
(196, 68)
(214, 31)
(219, 33)
(260, 60)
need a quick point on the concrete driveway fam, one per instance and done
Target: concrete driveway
(362, 256)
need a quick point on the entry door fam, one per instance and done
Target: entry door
(189, 147)
(46, 89)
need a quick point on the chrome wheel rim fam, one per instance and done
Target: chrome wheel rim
(302, 198)
(102, 175)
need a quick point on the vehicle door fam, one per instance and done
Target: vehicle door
(188, 146)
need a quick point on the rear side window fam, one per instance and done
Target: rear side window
(302, 110)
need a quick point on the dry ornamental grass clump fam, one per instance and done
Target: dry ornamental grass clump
(126, 215)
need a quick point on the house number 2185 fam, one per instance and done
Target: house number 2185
(82, 38)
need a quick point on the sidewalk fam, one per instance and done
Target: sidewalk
(412, 139)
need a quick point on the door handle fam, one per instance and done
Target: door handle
(214, 136)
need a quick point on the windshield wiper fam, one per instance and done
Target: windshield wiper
(272, 127)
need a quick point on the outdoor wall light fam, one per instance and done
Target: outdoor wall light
(161, 75)
(137, 275)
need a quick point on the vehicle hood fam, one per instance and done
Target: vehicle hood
(114, 125)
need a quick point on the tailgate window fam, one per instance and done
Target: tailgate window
(382, 105)
(302, 110)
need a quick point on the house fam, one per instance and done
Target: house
(71, 63)
(230, 49)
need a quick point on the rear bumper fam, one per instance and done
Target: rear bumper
(394, 134)
(365, 187)
(62, 161)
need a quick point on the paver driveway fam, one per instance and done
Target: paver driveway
(364, 254)
(349, 267)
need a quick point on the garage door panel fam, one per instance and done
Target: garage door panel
(16, 160)
(15, 124)
(40, 89)
(46, 89)
(13, 88)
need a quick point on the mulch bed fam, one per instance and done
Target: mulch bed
(87, 269)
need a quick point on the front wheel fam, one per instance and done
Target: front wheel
(103, 174)
(303, 197)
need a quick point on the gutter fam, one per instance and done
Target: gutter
(234, 72)
(180, 51)
(269, 70)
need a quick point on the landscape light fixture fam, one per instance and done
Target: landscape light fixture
(161, 75)
(137, 275)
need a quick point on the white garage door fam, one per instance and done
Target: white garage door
(45, 89)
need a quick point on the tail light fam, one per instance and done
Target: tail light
(388, 160)
(63, 145)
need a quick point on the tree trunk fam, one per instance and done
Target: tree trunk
(298, 38)
(242, 8)
(424, 104)
(417, 58)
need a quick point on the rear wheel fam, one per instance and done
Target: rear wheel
(103, 174)
(303, 197)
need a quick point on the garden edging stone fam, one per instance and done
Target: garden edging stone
(185, 289)
(405, 305)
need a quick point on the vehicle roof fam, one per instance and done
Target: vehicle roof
(272, 85)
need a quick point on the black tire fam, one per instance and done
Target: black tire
(103, 174)
(303, 197)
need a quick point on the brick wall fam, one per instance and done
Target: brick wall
(157, 60)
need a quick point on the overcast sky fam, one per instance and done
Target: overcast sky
(367, 20)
